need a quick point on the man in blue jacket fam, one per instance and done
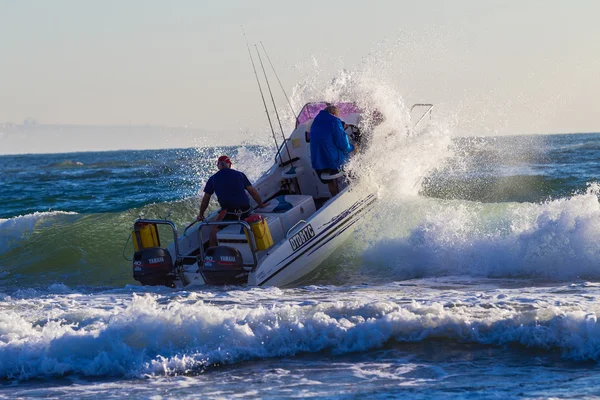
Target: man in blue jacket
(329, 145)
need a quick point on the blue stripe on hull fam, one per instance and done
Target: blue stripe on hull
(322, 239)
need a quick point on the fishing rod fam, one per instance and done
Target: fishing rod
(263, 97)
(277, 76)
(276, 113)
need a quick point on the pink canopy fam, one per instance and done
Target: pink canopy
(310, 110)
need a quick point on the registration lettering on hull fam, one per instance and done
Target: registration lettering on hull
(302, 236)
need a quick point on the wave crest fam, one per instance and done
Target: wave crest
(146, 336)
(555, 240)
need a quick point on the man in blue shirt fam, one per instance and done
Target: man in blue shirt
(329, 145)
(230, 186)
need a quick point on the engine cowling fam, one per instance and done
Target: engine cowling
(153, 267)
(223, 265)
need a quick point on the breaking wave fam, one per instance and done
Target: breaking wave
(554, 240)
(153, 334)
(76, 249)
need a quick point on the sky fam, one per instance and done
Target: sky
(490, 67)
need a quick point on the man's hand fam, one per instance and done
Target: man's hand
(203, 206)
(263, 205)
(256, 196)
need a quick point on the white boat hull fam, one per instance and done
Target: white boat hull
(304, 234)
(332, 225)
(285, 263)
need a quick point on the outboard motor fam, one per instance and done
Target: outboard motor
(223, 265)
(153, 267)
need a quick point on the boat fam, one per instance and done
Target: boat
(299, 229)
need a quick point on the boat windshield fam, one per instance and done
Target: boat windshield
(310, 110)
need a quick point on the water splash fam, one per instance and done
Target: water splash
(68, 333)
(555, 240)
(396, 159)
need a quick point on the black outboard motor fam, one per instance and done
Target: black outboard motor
(223, 265)
(153, 267)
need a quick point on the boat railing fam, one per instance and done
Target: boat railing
(178, 256)
(279, 156)
(244, 224)
(426, 113)
(301, 222)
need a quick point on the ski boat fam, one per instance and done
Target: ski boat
(298, 230)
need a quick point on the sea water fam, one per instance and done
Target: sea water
(477, 275)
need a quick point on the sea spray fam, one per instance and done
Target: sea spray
(555, 240)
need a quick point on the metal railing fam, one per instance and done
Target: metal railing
(178, 266)
(293, 227)
(244, 224)
(427, 112)
(178, 256)
(164, 222)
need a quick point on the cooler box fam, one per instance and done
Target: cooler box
(233, 236)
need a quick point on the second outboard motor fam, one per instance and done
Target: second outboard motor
(153, 267)
(223, 265)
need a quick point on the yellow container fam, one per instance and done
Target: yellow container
(261, 231)
(145, 236)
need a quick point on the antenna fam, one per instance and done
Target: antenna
(277, 76)
(263, 97)
(276, 113)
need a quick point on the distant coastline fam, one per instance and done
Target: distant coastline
(63, 138)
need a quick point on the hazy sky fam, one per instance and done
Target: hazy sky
(493, 67)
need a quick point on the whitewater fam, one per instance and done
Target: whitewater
(477, 275)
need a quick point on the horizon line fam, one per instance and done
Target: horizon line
(246, 143)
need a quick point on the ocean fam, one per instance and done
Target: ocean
(476, 276)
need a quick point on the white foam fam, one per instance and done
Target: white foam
(397, 158)
(148, 335)
(33, 217)
(555, 240)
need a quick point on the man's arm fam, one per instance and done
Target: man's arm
(254, 193)
(340, 139)
(203, 206)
